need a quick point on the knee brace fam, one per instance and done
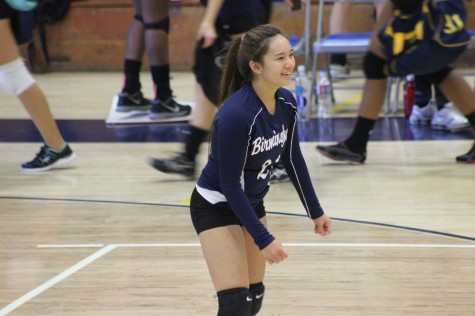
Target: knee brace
(234, 302)
(22, 5)
(257, 291)
(163, 25)
(437, 77)
(373, 66)
(15, 77)
(138, 17)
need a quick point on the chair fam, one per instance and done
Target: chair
(349, 43)
(301, 44)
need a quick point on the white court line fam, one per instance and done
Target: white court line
(72, 246)
(51, 282)
(348, 245)
(48, 284)
(356, 245)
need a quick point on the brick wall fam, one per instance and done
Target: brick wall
(92, 37)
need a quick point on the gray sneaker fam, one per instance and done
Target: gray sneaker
(278, 173)
(422, 115)
(128, 102)
(448, 118)
(339, 72)
(179, 165)
(168, 109)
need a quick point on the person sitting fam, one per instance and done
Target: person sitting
(406, 46)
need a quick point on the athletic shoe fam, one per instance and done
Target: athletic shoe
(337, 71)
(422, 115)
(132, 102)
(278, 173)
(168, 109)
(179, 165)
(448, 118)
(340, 152)
(468, 157)
(48, 159)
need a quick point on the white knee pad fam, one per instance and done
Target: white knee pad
(15, 77)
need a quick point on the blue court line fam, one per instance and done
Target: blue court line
(88, 201)
(314, 130)
(426, 231)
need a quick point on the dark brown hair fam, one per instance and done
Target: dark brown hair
(253, 45)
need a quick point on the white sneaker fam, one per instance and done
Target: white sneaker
(337, 71)
(422, 115)
(448, 118)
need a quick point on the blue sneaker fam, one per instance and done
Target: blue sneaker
(48, 159)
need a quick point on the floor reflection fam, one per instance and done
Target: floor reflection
(313, 130)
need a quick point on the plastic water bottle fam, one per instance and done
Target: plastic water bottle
(302, 93)
(323, 88)
(409, 95)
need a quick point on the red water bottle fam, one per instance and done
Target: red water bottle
(409, 95)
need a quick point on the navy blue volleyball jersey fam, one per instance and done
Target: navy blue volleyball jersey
(233, 8)
(246, 141)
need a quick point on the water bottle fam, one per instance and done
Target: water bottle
(409, 95)
(302, 93)
(324, 95)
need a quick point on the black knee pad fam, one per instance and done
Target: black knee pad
(257, 290)
(407, 6)
(163, 25)
(138, 17)
(437, 77)
(373, 66)
(235, 302)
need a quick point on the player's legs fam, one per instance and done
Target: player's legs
(457, 90)
(131, 97)
(383, 13)
(256, 270)
(32, 98)
(135, 35)
(230, 270)
(353, 149)
(157, 26)
(204, 112)
(340, 23)
(155, 14)
(9, 51)
(224, 250)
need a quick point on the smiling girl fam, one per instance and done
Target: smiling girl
(254, 128)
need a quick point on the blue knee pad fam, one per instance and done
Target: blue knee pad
(373, 66)
(163, 25)
(257, 290)
(235, 302)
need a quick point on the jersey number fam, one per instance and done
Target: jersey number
(264, 169)
(453, 23)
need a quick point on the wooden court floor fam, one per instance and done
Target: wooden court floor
(111, 236)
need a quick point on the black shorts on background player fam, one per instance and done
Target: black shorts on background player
(425, 38)
(21, 23)
(208, 64)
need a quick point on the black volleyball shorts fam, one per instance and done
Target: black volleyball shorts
(205, 215)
